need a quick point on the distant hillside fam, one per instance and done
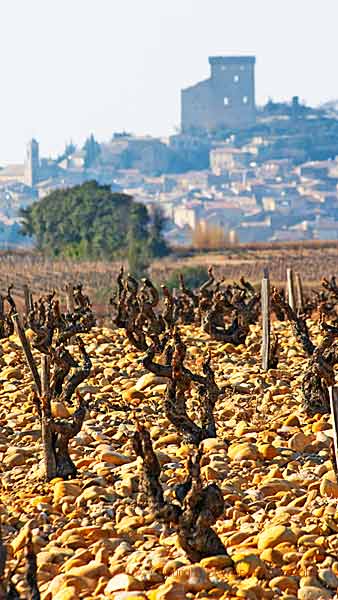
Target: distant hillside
(292, 130)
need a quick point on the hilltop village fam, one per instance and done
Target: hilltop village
(250, 173)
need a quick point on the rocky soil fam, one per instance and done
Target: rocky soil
(93, 539)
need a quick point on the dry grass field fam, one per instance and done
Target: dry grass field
(312, 261)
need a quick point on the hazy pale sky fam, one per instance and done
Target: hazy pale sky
(72, 67)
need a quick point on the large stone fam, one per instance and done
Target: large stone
(247, 564)
(271, 537)
(60, 582)
(20, 540)
(122, 581)
(212, 445)
(12, 373)
(92, 570)
(92, 533)
(114, 458)
(171, 590)
(195, 578)
(60, 410)
(274, 486)
(15, 459)
(132, 395)
(165, 440)
(243, 451)
(299, 441)
(173, 565)
(328, 577)
(65, 488)
(68, 593)
(328, 488)
(221, 561)
(310, 592)
(79, 558)
(292, 421)
(273, 556)
(149, 380)
(285, 584)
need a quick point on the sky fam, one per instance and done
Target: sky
(74, 67)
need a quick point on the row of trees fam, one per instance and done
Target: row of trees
(90, 221)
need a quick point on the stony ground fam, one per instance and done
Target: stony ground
(273, 464)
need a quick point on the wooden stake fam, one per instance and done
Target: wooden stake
(265, 300)
(45, 376)
(27, 296)
(28, 352)
(333, 393)
(299, 292)
(70, 298)
(290, 287)
(31, 569)
(46, 417)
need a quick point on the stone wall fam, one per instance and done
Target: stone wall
(225, 100)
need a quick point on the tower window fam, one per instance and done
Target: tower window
(236, 78)
(226, 101)
(242, 68)
(245, 99)
(223, 68)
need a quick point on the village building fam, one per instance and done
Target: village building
(224, 101)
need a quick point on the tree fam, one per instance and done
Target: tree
(88, 221)
(157, 244)
(138, 243)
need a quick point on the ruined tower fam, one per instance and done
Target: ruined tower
(32, 163)
(225, 100)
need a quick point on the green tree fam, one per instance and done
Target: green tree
(138, 241)
(157, 244)
(88, 221)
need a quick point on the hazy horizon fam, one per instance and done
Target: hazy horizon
(77, 67)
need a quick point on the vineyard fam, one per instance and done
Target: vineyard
(184, 448)
(314, 261)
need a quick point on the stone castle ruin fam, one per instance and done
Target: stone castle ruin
(224, 101)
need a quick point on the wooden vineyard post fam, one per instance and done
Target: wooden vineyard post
(299, 292)
(70, 298)
(28, 299)
(46, 417)
(333, 393)
(290, 289)
(27, 351)
(265, 299)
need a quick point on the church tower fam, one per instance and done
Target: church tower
(32, 163)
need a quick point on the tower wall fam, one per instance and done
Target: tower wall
(225, 100)
(32, 163)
